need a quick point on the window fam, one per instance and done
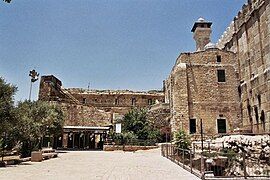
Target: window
(221, 124)
(218, 58)
(150, 101)
(256, 114)
(263, 119)
(133, 101)
(221, 75)
(192, 126)
(84, 101)
(116, 102)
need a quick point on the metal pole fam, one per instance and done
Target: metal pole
(202, 135)
(202, 160)
(183, 157)
(190, 159)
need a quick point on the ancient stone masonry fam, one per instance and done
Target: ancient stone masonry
(95, 107)
(249, 37)
(203, 85)
(196, 94)
(224, 84)
(77, 114)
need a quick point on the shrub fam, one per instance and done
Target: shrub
(182, 140)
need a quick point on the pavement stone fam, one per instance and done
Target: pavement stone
(99, 165)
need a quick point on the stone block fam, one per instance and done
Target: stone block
(36, 156)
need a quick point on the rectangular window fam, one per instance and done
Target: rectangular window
(116, 101)
(133, 101)
(84, 100)
(221, 124)
(192, 126)
(221, 75)
(218, 58)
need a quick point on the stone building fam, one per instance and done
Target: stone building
(203, 85)
(90, 114)
(195, 89)
(249, 37)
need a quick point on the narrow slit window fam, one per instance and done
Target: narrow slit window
(133, 101)
(218, 58)
(116, 101)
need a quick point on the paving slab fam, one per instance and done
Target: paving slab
(116, 165)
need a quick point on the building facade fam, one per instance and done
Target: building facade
(249, 37)
(90, 114)
(203, 86)
(224, 84)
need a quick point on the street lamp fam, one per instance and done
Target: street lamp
(34, 77)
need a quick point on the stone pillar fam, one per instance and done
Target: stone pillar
(65, 140)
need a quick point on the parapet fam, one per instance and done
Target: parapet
(248, 10)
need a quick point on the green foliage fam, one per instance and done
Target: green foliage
(7, 92)
(27, 122)
(182, 140)
(37, 119)
(135, 123)
(7, 115)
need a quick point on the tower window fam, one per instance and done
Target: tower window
(218, 58)
(84, 101)
(221, 75)
(192, 126)
(221, 125)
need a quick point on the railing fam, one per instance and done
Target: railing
(215, 165)
(137, 142)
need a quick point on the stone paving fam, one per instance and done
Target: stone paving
(100, 165)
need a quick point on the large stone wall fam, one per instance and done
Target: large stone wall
(193, 91)
(249, 37)
(94, 107)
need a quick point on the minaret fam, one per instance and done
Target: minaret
(201, 33)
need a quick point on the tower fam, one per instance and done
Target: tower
(201, 33)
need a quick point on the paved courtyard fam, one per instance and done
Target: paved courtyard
(100, 165)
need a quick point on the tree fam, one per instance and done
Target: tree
(136, 122)
(7, 92)
(35, 120)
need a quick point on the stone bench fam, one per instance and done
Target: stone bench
(38, 156)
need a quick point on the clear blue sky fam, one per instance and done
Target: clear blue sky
(113, 44)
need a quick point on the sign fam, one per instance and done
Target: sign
(118, 128)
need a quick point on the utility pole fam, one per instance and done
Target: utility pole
(34, 77)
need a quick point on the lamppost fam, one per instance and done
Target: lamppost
(34, 77)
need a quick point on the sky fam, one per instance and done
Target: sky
(106, 44)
